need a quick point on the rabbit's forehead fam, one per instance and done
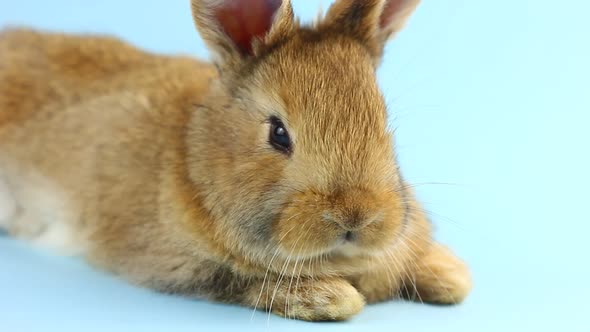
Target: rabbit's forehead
(327, 91)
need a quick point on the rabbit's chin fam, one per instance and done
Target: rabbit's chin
(349, 250)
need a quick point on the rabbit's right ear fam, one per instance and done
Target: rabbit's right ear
(235, 30)
(372, 22)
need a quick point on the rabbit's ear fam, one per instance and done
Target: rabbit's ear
(372, 22)
(237, 29)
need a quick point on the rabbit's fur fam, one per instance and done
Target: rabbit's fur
(159, 169)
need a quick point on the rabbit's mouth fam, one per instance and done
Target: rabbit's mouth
(352, 223)
(348, 243)
(331, 241)
(336, 243)
(347, 247)
(330, 249)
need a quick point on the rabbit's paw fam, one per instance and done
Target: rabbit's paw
(440, 278)
(312, 300)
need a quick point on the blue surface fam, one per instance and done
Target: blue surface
(490, 96)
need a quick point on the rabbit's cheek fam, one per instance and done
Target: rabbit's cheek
(377, 236)
(306, 237)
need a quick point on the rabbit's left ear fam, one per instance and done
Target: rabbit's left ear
(235, 30)
(373, 22)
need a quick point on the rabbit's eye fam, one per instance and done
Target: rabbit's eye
(278, 136)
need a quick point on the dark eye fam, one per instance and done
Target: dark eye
(278, 136)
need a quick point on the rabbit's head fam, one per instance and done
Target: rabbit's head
(290, 151)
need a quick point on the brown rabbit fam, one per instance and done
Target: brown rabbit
(268, 179)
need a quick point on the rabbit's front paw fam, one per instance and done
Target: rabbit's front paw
(440, 278)
(314, 300)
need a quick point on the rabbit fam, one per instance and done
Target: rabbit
(266, 178)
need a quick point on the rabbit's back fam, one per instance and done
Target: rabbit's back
(38, 70)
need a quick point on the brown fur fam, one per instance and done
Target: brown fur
(171, 183)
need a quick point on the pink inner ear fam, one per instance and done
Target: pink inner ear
(392, 7)
(244, 20)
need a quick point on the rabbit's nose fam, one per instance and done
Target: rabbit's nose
(355, 220)
(350, 236)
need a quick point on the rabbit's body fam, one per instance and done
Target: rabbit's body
(159, 170)
(90, 135)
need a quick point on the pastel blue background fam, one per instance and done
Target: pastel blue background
(491, 96)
